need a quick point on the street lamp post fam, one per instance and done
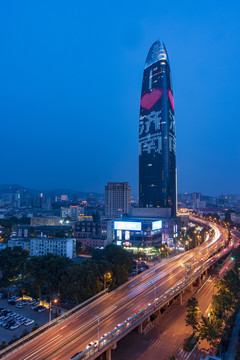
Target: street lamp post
(50, 308)
(155, 290)
(97, 317)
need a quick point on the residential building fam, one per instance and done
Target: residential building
(50, 221)
(57, 246)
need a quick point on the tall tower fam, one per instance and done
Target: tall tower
(157, 145)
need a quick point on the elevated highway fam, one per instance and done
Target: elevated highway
(130, 305)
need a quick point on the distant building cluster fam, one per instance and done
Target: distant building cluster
(202, 203)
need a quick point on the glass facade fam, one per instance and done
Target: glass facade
(157, 144)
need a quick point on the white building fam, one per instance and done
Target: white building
(72, 211)
(57, 246)
(117, 199)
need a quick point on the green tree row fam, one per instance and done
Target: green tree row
(216, 328)
(77, 282)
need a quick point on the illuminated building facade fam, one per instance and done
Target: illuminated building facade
(138, 232)
(157, 148)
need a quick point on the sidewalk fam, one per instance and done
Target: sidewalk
(230, 354)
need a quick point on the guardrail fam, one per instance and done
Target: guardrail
(16, 345)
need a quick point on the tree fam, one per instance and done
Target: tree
(78, 247)
(48, 269)
(210, 329)
(3, 345)
(24, 333)
(192, 317)
(12, 264)
(222, 303)
(35, 327)
(14, 338)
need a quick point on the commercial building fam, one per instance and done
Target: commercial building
(138, 232)
(117, 199)
(157, 148)
(94, 233)
(146, 227)
(57, 246)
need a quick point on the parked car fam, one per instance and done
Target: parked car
(15, 326)
(35, 304)
(9, 324)
(29, 322)
(42, 308)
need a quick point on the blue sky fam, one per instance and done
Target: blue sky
(70, 84)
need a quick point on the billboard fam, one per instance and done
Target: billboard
(156, 225)
(127, 225)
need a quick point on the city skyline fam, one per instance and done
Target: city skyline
(57, 106)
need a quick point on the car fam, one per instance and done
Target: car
(15, 326)
(118, 326)
(36, 308)
(9, 324)
(43, 308)
(29, 322)
(12, 302)
(31, 302)
(92, 343)
(35, 305)
(78, 353)
(103, 337)
(20, 306)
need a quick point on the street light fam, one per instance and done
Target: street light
(155, 289)
(98, 319)
(50, 307)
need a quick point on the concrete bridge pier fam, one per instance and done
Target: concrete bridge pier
(190, 288)
(181, 298)
(200, 281)
(108, 354)
(140, 328)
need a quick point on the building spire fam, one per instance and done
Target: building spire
(157, 52)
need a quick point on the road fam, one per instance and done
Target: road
(73, 334)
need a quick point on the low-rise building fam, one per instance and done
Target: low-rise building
(57, 246)
(23, 243)
(49, 221)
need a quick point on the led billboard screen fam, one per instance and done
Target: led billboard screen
(156, 225)
(127, 225)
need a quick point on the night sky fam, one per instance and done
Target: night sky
(70, 85)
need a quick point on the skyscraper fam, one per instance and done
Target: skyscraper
(157, 148)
